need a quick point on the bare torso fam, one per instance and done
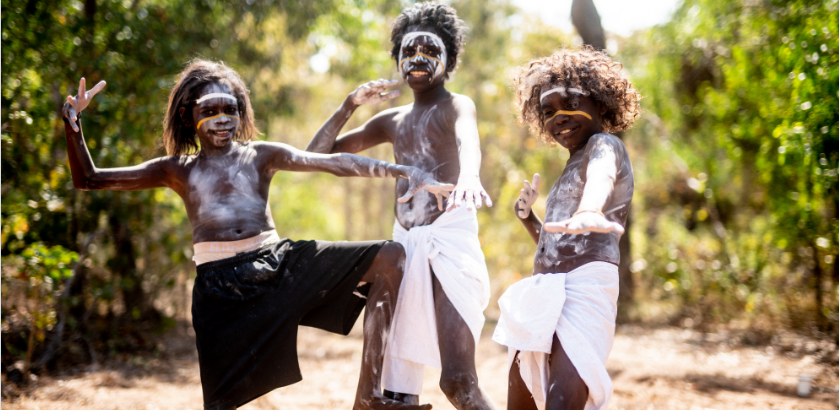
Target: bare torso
(423, 137)
(562, 252)
(226, 196)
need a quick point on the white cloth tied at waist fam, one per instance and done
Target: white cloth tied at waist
(450, 247)
(580, 308)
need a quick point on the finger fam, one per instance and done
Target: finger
(617, 228)
(439, 201)
(407, 197)
(452, 203)
(487, 199)
(82, 89)
(527, 186)
(390, 95)
(96, 88)
(470, 200)
(536, 180)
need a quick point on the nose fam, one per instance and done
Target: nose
(419, 58)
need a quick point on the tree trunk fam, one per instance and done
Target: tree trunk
(587, 22)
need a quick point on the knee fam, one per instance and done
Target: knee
(393, 256)
(459, 387)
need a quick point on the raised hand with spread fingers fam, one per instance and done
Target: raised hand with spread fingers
(75, 105)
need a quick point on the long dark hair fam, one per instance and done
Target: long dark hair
(178, 138)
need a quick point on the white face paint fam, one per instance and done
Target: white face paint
(440, 60)
(215, 95)
(562, 92)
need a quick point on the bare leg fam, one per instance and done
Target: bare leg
(385, 274)
(518, 395)
(566, 389)
(459, 379)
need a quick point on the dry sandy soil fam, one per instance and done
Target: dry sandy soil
(652, 369)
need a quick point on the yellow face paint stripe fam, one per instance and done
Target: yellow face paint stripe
(424, 55)
(583, 113)
(214, 117)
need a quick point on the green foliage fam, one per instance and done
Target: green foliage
(742, 123)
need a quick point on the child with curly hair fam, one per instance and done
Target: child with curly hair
(559, 324)
(445, 289)
(253, 288)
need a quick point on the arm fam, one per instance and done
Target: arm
(601, 174)
(287, 158)
(524, 206)
(86, 176)
(361, 138)
(469, 186)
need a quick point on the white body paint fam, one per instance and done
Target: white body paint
(215, 95)
(562, 91)
(441, 67)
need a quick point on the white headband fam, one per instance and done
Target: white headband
(414, 34)
(562, 90)
(215, 95)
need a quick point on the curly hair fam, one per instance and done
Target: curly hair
(585, 68)
(440, 17)
(178, 138)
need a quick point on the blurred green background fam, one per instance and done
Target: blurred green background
(734, 219)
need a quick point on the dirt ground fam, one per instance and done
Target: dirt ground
(651, 368)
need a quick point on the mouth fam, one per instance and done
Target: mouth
(418, 74)
(221, 133)
(568, 130)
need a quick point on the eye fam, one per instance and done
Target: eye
(231, 110)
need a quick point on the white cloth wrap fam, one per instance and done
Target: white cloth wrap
(451, 247)
(580, 307)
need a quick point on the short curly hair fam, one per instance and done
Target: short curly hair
(442, 18)
(178, 138)
(584, 68)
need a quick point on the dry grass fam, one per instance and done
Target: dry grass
(651, 369)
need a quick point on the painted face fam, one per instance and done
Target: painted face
(216, 115)
(571, 116)
(422, 57)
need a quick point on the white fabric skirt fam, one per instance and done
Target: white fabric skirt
(580, 308)
(451, 247)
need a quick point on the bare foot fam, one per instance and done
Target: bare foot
(379, 402)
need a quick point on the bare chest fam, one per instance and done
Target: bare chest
(426, 139)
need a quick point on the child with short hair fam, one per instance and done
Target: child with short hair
(559, 324)
(253, 289)
(445, 290)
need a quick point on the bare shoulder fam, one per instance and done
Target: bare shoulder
(463, 104)
(604, 139)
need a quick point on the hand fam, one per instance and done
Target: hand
(471, 191)
(584, 222)
(76, 104)
(419, 179)
(527, 198)
(373, 92)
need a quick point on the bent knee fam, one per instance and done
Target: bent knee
(392, 255)
(459, 387)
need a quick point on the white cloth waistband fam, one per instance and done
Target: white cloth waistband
(213, 251)
(450, 246)
(580, 308)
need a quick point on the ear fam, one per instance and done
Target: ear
(186, 121)
(450, 62)
(602, 109)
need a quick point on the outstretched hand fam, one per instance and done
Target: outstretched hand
(469, 192)
(76, 104)
(373, 92)
(584, 222)
(419, 180)
(529, 195)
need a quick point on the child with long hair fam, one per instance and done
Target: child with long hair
(253, 288)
